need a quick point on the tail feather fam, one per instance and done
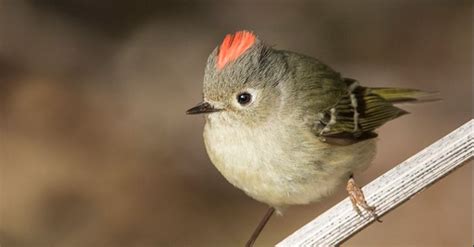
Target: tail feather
(404, 95)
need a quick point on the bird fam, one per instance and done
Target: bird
(286, 128)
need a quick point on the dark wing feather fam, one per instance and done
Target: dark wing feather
(356, 115)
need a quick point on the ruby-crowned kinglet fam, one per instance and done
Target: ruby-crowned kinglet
(286, 128)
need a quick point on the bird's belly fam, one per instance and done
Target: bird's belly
(276, 167)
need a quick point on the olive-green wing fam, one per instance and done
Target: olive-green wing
(356, 115)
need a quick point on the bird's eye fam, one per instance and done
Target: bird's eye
(244, 98)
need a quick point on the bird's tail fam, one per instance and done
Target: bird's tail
(404, 95)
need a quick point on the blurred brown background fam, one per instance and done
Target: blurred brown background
(96, 149)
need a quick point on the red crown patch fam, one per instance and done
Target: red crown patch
(233, 46)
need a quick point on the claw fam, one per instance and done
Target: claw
(358, 199)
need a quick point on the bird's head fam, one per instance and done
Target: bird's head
(241, 79)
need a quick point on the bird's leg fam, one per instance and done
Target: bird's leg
(260, 227)
(358, 199)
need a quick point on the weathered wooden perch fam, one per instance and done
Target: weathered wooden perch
(388, 191)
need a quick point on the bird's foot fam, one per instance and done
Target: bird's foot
(358, 199)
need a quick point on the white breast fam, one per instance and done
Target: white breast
(277, 164)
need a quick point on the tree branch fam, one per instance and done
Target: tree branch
(388, 191)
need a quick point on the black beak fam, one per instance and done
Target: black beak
(202, 107)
